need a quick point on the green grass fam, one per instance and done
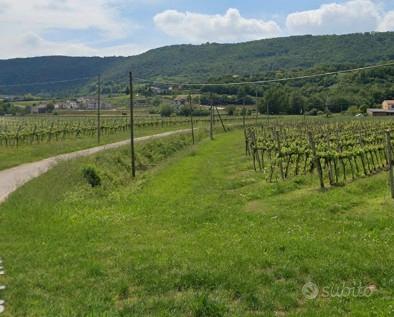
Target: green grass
(199, 235)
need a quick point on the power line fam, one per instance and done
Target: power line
(47, 82)
(270, 80)
(210, 84)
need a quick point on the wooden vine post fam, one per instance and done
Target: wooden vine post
(390, 162)
(191, 117)
(98, 109)
(244, 114)
(282, 174)
(132, 125)
(257, 105)
(211, 119)
(220, 118)
(316, 159)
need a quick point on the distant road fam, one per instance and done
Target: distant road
(13, 178)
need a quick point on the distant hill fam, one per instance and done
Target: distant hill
(199, 62)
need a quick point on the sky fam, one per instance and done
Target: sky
(129, 27)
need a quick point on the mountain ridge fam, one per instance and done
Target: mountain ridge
(199, 62)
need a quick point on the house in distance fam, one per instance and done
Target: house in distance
(387, 109)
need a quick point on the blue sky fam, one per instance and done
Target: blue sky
(128, 27)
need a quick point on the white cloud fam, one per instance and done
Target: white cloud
(334, 18)
(387, 23)
(23, 24)
(90, 27)
(31, 44)
(40, 15)
(230, 27)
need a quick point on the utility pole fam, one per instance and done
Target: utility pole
(98, 109)
(132, 125)
(191, 116)
(211, 121)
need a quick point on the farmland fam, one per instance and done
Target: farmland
(337, 152)
(236, 225)
(197, 159)
(30, 138)
(200, 234)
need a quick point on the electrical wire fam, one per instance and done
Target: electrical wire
(270, 80)
(212, 84)
(47, 82)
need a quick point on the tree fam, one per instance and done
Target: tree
(277, 100)
(242, 95)
(363, 108)
(296, 103)
(50, 107)
(316, 102)
(156, 102)
(166, 110)
(261, 106)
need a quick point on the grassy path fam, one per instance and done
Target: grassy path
(201, 235)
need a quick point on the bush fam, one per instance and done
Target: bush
(184, 110)
(353, 110)
(231, 110)
(201, 113)
(166, 110)
(91, 176)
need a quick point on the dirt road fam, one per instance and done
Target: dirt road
(13, 178)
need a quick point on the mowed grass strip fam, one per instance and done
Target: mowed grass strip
(200, 235)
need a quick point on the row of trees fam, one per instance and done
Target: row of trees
(335, 93)
(6, 108)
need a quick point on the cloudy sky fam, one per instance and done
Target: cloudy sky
(129, 27)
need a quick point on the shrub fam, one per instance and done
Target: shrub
(91, 176)
(230, 110)
(166, 110)
(353, 110)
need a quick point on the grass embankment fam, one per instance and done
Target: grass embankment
(201, 235)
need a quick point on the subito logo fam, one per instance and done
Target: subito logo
(310, 290)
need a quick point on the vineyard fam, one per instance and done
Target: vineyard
(336, 152)
(35, 130)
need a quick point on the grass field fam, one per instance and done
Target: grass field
(198, 235)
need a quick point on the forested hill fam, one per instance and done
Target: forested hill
(200, 62)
